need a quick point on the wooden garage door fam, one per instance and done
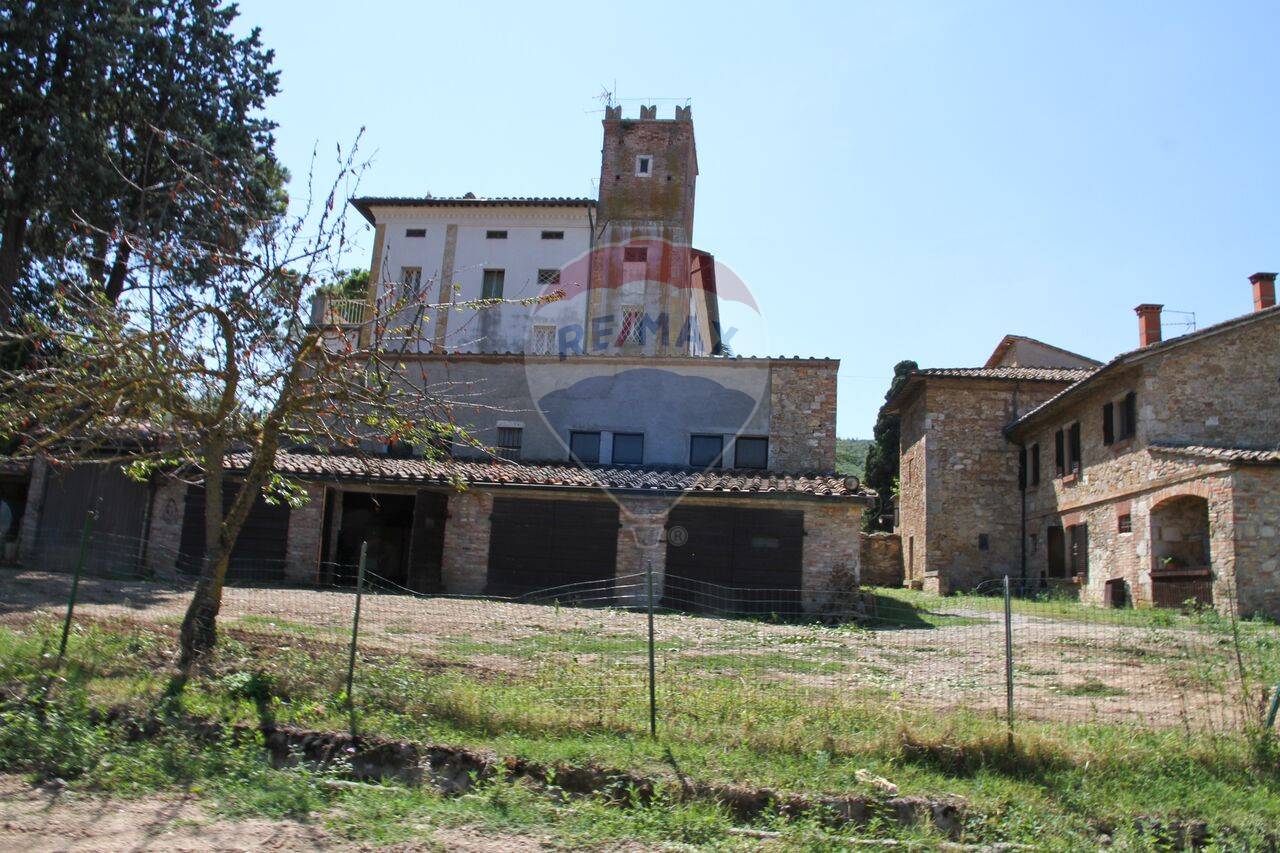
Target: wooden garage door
(536, 544)
(121, 503)
(259, 551)
(734, 560)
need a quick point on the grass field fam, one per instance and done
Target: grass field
(753, 703)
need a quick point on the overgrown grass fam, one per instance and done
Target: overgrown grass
(1056, 787)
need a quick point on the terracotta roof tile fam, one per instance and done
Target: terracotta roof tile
(1237, 455)
(1013, 374)
(385, 470)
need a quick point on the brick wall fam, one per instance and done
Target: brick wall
(642, 544)
(802, 416)
(667, 194)
(306, 530)
(832, 554)
(881, 559)
(466, 542)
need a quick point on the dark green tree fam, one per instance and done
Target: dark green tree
(104, 106)
(882, 455)
(353, 284)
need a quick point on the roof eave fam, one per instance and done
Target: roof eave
(1133, 357)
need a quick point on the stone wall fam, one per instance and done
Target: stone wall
(466, 542)
(881, 560)
(1155, 520)
(1216, 391)
(913, 520)
(971, 493)
(1257, 539)
(802, 416)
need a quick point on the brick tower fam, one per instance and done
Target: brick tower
(643, 298)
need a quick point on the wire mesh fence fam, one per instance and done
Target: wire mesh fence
(649, 651)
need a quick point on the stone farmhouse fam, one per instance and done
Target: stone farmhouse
(1151, 479)
(621, 435)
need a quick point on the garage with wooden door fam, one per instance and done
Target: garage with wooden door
(540, 544)
(734, 560)
(120, 507)
(259, 552)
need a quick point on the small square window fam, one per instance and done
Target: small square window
(705, 451)
(635, 255)
(493, 283)
(552, 235)
(544, 340)
(415, 232)
(751, 452)
(548, 276)
(584, 447)
(1124, 524)
(644, 165)
(632, 331)
(628, 448)
(495, 235)
(509, 441)
(410, 281)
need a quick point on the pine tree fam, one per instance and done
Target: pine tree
(100, 102)
(882, 455)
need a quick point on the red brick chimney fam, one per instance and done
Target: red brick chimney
(1264, 290)
(1148, 323)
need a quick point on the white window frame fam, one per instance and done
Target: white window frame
(647, 160)
(545, 346)
(410, 281)
(633, 334)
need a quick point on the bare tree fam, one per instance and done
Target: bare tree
(227, 365)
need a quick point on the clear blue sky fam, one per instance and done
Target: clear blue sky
(893, 180)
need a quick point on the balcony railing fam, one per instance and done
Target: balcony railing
(331, 311)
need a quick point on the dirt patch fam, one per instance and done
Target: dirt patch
(46, 819)
(37, 819)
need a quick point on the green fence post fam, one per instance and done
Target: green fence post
(1275, 706)
(75, 583)
(355, 634)
(653, 689)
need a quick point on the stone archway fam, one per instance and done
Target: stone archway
(1181, 555)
